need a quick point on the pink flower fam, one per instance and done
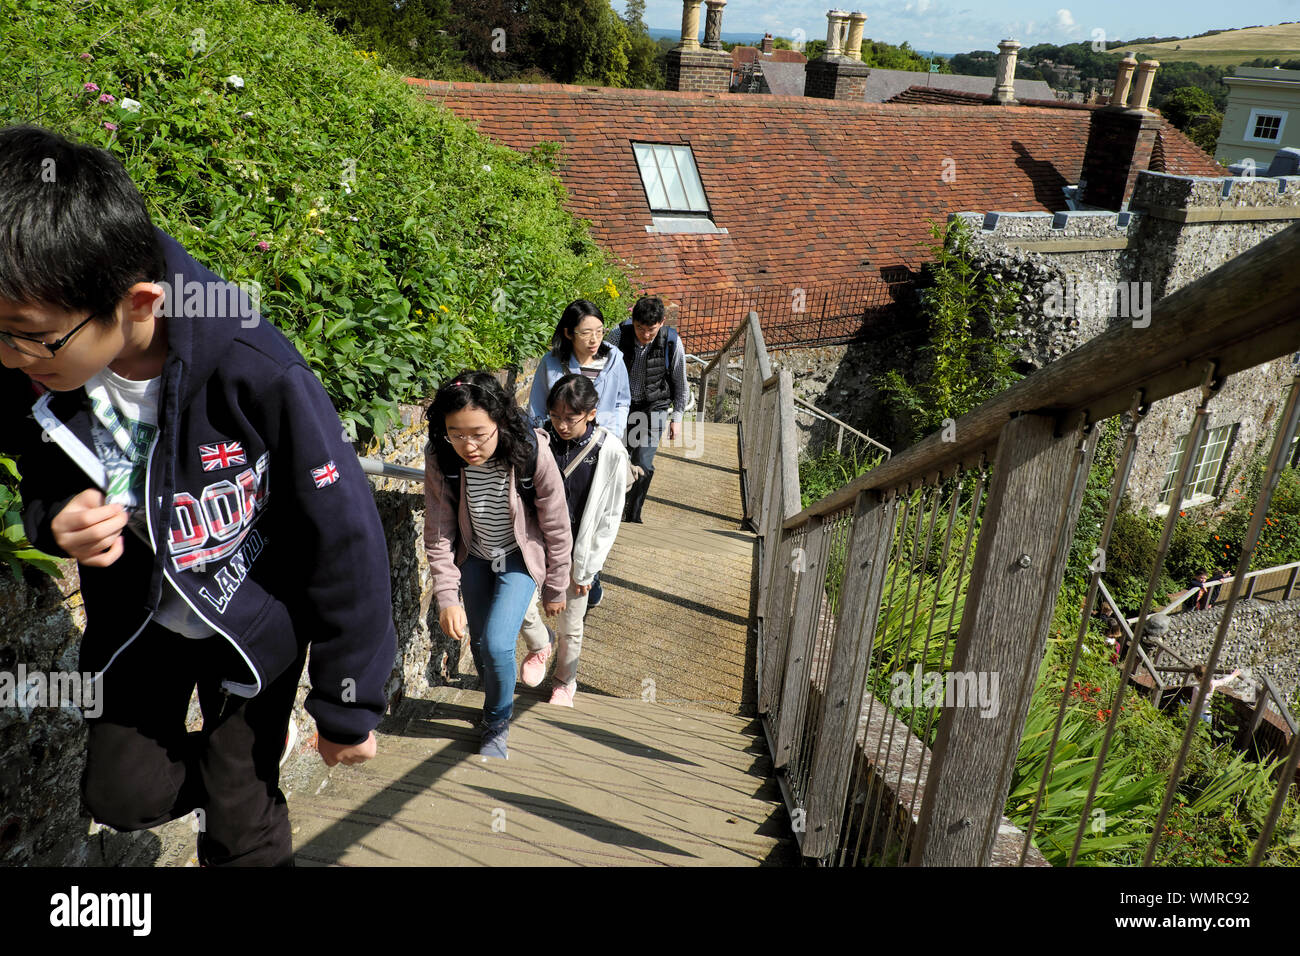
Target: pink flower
(90, 88)
(111, 126)
(107, 98)
(87, 57)
(263, 246)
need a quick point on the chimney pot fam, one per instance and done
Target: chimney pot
(1123, 78)
(853, 45)
(1004, 90)
(713, 25)
(690, 25)
(835, 20)
(768, 44)
(1146, 74)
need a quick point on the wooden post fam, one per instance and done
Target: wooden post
(1290, 583)
(855, 631)
(769, 526)
(794, 692)
(1015, 578)
(776, 626)
(1250, 587)
(722, 386)
(1247, 733)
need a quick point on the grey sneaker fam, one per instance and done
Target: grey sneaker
(493, 743)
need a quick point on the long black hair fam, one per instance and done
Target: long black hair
(573, 313)
(478, 389)
(74, 230)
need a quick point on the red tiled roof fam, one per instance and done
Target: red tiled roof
(807, 189)
(751, 54)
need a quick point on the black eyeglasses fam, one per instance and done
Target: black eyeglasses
(35, 347)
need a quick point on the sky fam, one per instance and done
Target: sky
(963, 25)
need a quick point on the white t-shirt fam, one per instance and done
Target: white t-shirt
(134, 415)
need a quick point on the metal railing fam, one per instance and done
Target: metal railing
(386, 469)
(1277, 583)
(947, 561)
(807, 314)
(858, 439)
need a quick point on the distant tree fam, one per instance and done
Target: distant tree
(578, 41)
(1184, 103)
(646, 67)
(1204, 131)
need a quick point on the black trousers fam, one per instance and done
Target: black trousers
(143, 768)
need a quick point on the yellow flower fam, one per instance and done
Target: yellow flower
(419, 311)
(444, 308)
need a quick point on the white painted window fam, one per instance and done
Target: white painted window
(1205, 473)
(671, 180)
(1266, 126)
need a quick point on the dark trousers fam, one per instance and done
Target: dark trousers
(143, 769)
(645, 428)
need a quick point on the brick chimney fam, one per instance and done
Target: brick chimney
(1004, 90)
(768, 44)
(1120, 140)
(835, 75)
(695, 68)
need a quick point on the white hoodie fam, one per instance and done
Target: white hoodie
(604, 509)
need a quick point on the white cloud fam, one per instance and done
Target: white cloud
(1065, 20)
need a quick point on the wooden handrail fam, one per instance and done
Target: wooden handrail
(1242, 314)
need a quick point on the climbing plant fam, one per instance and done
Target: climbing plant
(965, 359)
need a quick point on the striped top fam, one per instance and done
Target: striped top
(593, 368)
(488, 494)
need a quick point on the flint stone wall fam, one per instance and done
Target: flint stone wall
(1264, 638)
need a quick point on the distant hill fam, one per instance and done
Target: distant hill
(1229, 48)
(658, 33)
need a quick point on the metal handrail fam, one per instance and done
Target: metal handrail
(386, 469)
(804, 406)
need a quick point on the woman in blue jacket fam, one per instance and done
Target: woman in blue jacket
(578, 348)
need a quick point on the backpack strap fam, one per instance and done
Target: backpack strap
(670, 342)
(572, 466)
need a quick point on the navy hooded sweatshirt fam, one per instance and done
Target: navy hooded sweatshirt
(257, 510)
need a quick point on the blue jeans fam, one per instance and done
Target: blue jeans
(495, 604)
(645, 428)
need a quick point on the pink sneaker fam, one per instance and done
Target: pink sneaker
(562, 694)
(533, 669)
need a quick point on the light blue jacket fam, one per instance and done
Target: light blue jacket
(614, 393)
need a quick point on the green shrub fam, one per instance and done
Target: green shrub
(15, 551)
(393, 244)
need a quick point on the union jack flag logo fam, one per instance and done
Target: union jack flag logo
(326, 474)
(224, 454)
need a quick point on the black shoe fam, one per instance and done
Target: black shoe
(596, 594)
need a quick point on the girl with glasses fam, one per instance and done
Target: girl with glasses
(578, 348)
(593, 465)
(496, 527)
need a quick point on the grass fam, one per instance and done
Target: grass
(1229, 48)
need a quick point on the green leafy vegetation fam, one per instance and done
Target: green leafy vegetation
(565, 41)
(15, 551)
(392, 243)
(968, 313)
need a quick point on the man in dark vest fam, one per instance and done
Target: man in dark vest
(656, 368)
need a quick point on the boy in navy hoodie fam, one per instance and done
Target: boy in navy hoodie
(184, 454)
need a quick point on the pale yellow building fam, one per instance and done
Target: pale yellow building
(1263, 115)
